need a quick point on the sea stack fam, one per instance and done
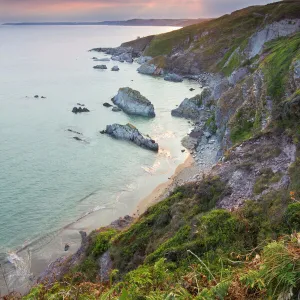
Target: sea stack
(131, 133)
(133, 103)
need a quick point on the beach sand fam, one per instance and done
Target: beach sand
(184, 172)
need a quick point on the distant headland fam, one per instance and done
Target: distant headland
(132, 22)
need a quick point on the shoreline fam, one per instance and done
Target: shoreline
(183, 172)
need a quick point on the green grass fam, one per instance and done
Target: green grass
(277, 64)
(226, 34)
(242, 124)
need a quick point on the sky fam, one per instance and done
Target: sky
(101, 10)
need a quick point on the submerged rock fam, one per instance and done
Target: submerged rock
(77, 110)
(100, 67)
(133, 103)
(115, 68)
(131, 133)
(173, 77)
(73, 131)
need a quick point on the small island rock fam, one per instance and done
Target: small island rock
(131, 133)
(115, 68)
(100, 67)
(133, 103)
(77, 110)
(106, 104)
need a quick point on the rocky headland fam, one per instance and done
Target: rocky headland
(133, 103)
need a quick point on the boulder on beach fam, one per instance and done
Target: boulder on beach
(100, 67)
(106, 104)
(77, 110)
(131, 133)
(115, 68)
(173, 77)
(133, 103)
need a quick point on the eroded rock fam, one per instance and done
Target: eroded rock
(133, 103)
(131, 133)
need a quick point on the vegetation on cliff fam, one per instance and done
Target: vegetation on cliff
(188, 246)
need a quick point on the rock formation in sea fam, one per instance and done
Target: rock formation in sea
(101, 59)
(133, 103)
(131, 133)
(116, 109)
(115, 68)
(100, 67)
(106, 104)
(77, 110)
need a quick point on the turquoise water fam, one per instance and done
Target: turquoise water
(48, 179)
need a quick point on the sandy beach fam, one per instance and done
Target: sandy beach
(183, 173)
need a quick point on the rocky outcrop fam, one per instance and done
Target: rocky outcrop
(150, 69)
(143, 59)
(130, 133)
(100, 67)
(120, 53)
(106, 104)
(271, 32)
(116, 109)
(193, 107)
(133, 103)
(127, 56)
(173, 77)
(115, 68)
(291, 108)
(77, 110)
(101, 59)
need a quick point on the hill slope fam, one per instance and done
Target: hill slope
(230, 233)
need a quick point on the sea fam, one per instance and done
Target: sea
(52, 185)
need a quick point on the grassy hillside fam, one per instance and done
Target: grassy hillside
(212, 42)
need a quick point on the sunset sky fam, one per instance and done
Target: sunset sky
(99, 10)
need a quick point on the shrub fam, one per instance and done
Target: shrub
(293, 216)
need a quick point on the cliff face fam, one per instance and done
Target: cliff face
(232, 232)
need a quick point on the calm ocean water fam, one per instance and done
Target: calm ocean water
(48, 179)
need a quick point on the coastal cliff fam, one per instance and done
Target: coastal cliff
(231, 232)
